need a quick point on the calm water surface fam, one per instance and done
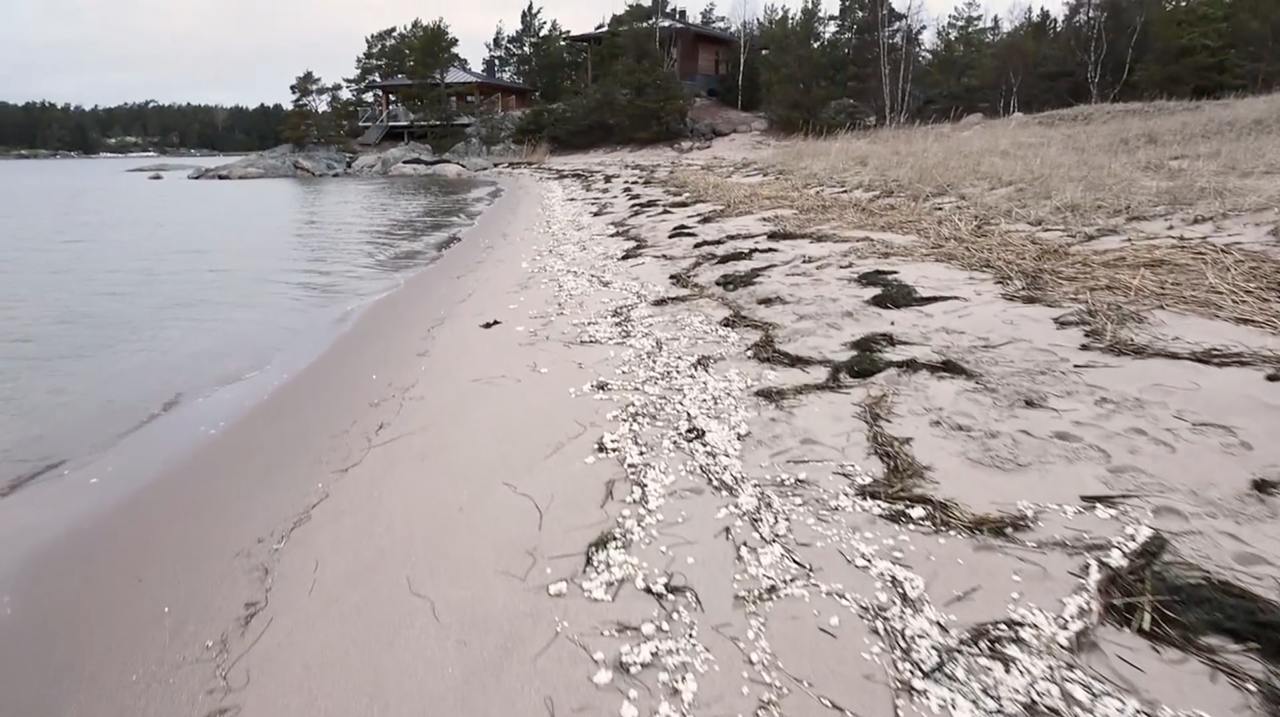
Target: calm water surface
(123, 297)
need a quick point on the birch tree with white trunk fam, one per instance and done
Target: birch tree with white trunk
(744, 16)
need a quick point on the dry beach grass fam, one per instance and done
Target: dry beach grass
(1026, 199)
(1082, 166)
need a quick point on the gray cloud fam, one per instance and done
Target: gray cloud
(234, 51)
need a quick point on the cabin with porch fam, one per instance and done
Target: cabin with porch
(468, 94)
(699, 54)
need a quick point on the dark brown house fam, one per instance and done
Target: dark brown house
(700, 54)
(469, 93)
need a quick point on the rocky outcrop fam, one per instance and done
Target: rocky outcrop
(283, 161)
(165, 167)
(377, 164)
(406, 160)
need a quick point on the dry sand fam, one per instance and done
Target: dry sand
(588, 509)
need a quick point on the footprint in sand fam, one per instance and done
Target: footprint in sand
(1130, 477)
(1167, 516)
(1142, 433)
(1225, 436)
(1250, 559)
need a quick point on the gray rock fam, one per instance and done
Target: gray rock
(973, 119)
(683, 147)
(406, 169)
(703, 131)
(438, 168)
(381, 163)
(157, 175)
(366, 164)
(722, 130)
(165, 168)
(448, 170)
(469, 147)
(320, 166)
(473, 147)
(477, 164)
(760, 125)
(283, 161)
(742, 129)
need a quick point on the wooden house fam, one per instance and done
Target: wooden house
(700, 55)
(469, 93)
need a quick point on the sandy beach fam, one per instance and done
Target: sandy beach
(626, 451)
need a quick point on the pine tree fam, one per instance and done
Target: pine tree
(710, 18)
(796, 76)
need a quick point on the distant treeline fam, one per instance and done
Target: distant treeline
(139, 126)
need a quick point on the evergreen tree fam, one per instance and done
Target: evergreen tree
(1255, 33)
(1195, 54)
(495, 60)
(385, 56)
(316, 114)
(710, 18)
(536, 54)
(960, 63)
(432, 51)
(796, 76)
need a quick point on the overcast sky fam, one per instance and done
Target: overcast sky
(239, 51)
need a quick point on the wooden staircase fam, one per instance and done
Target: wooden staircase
(376, 131)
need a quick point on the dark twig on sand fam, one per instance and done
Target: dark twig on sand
(422, 596)
(529, 498)
(900, 487)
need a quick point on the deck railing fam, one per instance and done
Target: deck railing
(374, 115)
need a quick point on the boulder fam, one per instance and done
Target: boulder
(973, 119)
(477, 164)
(742, 129)
(683, 147)
(760, 125)
(157, 175)
(320, 165)
(366, 164)
(702, 131)
(473, 147)
(406, 169)
(438, 168)
(448, 170)
(381, 163)
(282, 161)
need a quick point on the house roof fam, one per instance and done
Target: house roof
(455, 76)
(666, 23)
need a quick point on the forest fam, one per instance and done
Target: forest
(139, 126)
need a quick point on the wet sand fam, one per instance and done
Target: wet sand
(588, 507)
(360, 543)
